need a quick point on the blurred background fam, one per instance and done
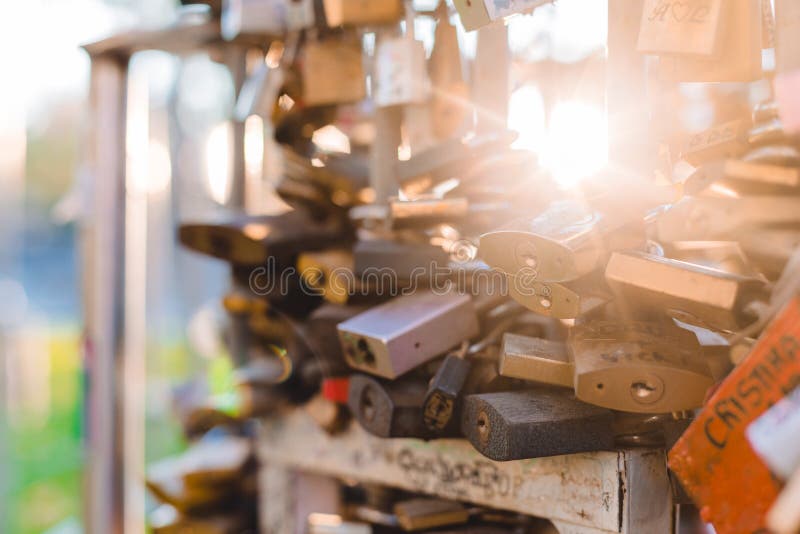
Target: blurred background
(178, 129)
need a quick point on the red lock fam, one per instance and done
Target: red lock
(336, 389)
(713, 459)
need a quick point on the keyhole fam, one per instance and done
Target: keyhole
(642, 390)
(483, 426)
(367, 404)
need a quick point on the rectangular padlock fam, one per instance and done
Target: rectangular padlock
(445, 390)
(475, 14)
(680, 28)
(773, 436)
(726, 140)
(713, 459)
(515, 425)
(401, 75)
(770, 248)
(638, 367)
(333, 72)
(740, 49)
(426, 513)
(536, 360)
(560, 300)
(744, 176)
(692, 293)
(252, 240)
(451, 157)
(703, 218)
(563, 243)
(393, 338)
(426, 212)
(406, 260)
(389, 409)
(362, 12)
(252, 17)
(330, 273)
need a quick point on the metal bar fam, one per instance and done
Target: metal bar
(104, 314)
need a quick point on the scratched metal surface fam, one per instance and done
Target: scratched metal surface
(580, 492)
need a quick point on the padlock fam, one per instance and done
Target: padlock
(300, 14)
(409, 330)
(445, 389)
(389, 409)
(400, 75)
(739, 59)
(478, 13)
(653, 431)
(765, 111)
(726, 140)
(563, 243)
(406, 260)
(746, 176)
(681, 28)
(451, 157)
(333, 72)
(770, 248)
(767, 133)
(773, 436)
(340, 183)
(638, 367)
(725, 256)
(713, 459)
(322, 337)
(330, 272)
(708, 218)
(564, 300)
(536, 360)
(252, 240)
(514, 425)
(426, 211)
(252, 17)
(362, 12)
(692, 293)
(427, 513)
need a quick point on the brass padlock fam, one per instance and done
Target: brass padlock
(536, 360)
(740, 49)
(333, 72)
(638, 367)
(704, 218)
(690, 292)
(726, 140)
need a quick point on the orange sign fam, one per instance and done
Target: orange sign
(713, 459)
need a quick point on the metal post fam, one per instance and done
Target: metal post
(104, 314)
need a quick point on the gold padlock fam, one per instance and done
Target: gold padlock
(693, 293)
(638, 367)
